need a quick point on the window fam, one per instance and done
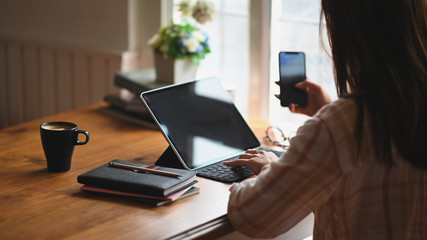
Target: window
(295, 27)
(229, 59)
(229, 42)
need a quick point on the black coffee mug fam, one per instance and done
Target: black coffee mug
(58, 140)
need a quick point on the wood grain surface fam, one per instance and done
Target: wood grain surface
(37, 204)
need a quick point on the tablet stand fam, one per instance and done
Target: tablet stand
(169, 159)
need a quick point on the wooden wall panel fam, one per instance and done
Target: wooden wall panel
(64, 76)
(114, 65)
(15, 83)
(39, 80)
(81, 80)
(31, 83)
(4, 110)
(99, 79)
(48, 88)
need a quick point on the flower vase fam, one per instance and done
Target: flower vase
(171, 71)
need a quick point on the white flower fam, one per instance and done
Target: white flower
(203, 11)
(155, 41)
(185, 7)
(191, 44)
(199, 36)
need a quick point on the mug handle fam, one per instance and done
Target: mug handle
(82, 132)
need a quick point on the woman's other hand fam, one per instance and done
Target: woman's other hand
(255, 160)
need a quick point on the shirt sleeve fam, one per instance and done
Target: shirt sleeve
(303, 179)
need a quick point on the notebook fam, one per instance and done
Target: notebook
(125, 180)
(202, 126)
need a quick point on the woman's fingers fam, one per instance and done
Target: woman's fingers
(235, 163)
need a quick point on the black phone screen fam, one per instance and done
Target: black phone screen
(292, 71)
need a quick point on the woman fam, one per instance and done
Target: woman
(360, 163)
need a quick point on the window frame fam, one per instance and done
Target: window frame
(260, 14)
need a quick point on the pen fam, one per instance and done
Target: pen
(143, 169)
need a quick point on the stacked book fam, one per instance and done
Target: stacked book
(127, 104)
(152, 185)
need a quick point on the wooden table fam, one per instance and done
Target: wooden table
(37, 204)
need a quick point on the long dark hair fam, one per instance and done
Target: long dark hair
(379, 50)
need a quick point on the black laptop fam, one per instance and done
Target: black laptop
(203, 127)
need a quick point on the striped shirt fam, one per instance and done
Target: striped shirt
(352, 195)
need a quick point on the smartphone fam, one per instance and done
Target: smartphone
(292, 71)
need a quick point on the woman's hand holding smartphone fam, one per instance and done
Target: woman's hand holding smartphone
(317, 97)
(296, 91)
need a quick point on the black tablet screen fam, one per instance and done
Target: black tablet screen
(200, 120)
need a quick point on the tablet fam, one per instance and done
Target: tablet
(200, 122)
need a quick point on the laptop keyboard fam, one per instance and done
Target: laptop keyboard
(220, 172)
